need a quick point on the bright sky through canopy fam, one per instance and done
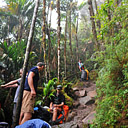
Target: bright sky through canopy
(54, 14)
(2, 3)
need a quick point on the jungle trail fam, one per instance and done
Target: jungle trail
(85, 51)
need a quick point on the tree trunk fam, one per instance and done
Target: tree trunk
(111, 29)
(58, 35)
(70, 38)
(49, 52)
(98, 21)
(8, 98)
(49, 42)
(44, 37)
(19, 103)
(20, 29)
(65, 42)
(93, 23)
(8, 40)
(47, 12)
(77, 53)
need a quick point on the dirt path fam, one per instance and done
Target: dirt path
(83, 110)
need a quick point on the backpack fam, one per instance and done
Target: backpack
(87, 74)
(84, 75)
(41, 113)
(63, 115)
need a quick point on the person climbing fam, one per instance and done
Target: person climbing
(14, 83)
(57, 102)
(81, 65)
(84, 72)
(29, 93)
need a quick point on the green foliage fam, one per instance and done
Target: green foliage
(93, 75)
(112, 82)
(50, 88)
(112, 86)
(68, 100)
(13, 56)
(19, 11)
(82, 5)
(48, 91)
(68, 93)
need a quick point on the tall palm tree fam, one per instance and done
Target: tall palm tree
(20, 12)
(44, 36)
(65, 43)
(58, 34)
(70, 37)
(77, 53)
(49, 39)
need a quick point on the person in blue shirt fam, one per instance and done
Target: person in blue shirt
(81, 65)
(29, 93)
(84, 74)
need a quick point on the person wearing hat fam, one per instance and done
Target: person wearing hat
(57, 102)
(29, 93)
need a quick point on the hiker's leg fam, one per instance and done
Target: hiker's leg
(27, 116)
(54, 114)
(14, 112)
(21, 117)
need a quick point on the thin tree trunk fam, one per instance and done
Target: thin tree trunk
(8, 98)
(44, 36)
(19, 103)
(99, 27)
(58, 34)
(49, 52)
(77, 53)
(20, 29)
(93, 23)
(65, 42)
(41, 48)
(49, 42)
(70, 38)
(77, 39)
(111, 30)
(98, 21)
(8, 40)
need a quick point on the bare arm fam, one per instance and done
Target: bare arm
(30, 82)
(59, 105)
(51, 105)
(11, 84)
(80, 68)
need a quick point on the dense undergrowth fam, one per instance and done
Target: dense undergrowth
(112, 82)
(49, 88)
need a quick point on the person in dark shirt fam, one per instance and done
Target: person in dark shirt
(29, 94)
(57, 102)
